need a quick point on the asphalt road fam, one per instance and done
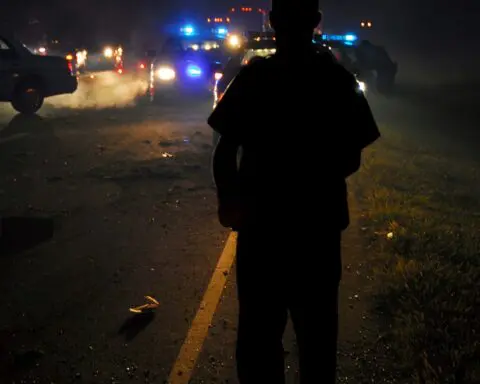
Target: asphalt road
(130, 193)
(126, 180)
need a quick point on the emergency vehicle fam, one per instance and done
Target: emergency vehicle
(238, 21)
(189, 58)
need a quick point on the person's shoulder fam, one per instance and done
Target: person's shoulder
(252, 72)
(334, 69)
(325, 57)
(255, 66)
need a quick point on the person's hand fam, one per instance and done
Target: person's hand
(230, 213)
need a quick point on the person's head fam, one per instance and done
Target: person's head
(294, 21)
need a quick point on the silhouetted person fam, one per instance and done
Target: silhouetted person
(301, 124)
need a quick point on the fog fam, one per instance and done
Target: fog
(104, 90)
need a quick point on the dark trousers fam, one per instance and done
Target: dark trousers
(280, 273)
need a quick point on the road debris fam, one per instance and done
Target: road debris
(151, 304)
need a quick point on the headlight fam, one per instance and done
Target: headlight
(108, 52)
(362, 87)
(234, 41)
(166, 73)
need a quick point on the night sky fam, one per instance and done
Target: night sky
(408, 21)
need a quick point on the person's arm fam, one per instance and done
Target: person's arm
(230, 120)
(362, 129)
(225, 175)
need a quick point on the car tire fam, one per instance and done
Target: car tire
(28, 98)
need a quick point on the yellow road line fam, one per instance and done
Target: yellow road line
(184, 365)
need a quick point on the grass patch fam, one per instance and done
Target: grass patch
(422, 213)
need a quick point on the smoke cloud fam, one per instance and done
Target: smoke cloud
(102, 90)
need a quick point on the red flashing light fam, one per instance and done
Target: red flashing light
(142, 66)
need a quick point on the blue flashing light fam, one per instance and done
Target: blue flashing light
(194, 70)
(348, 39)
(188, 30)
(222, 31)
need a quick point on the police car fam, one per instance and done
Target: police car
(344, 48)
(26, 78)
(188, 61)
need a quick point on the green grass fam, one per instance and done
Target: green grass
(421, 211)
